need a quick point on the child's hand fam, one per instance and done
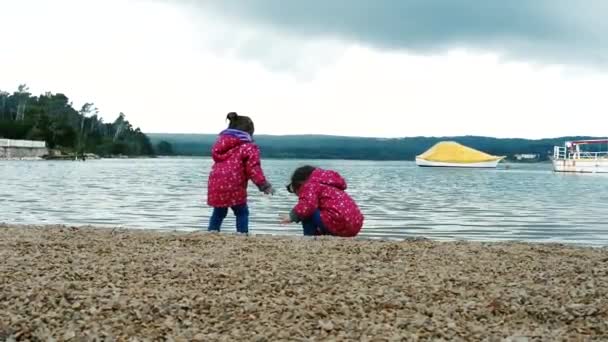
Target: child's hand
(269, 191)
(285, 219)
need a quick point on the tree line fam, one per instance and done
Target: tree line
(336, 147)
(52, 118)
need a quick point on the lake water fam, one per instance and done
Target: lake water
(522, 202)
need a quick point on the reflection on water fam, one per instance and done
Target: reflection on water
(524, 202)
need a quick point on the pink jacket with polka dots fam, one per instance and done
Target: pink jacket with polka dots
(237, 160)
(324, 190)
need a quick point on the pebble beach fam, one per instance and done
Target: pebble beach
(110, 284)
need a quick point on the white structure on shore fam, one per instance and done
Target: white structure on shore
(22, 149)
(527, 156)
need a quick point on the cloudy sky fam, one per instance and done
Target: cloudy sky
(385, 68)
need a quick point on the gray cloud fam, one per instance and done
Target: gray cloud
(562, 31)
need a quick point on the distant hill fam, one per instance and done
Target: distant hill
(338, 147)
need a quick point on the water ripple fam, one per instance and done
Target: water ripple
(399, 200)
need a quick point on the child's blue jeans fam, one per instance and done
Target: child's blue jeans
(314, 226)
(242, 218)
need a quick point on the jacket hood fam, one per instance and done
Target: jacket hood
(329, 178)
(225, 146)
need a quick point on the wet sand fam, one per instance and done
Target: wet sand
(83, 283)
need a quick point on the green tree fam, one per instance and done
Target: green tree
(3, 100)
(52, 118)
(86, 110)
(164, 148)
(23, 96)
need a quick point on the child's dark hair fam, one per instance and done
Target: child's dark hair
(240, 122)
(299, 177)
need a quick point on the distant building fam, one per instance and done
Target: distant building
(527, 156)
(22, 149)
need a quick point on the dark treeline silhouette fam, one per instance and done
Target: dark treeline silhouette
(336, 147)
(51, 117)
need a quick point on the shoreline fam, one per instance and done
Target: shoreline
(72, 158)
(85, 282)
(297, 236)
(501, 165)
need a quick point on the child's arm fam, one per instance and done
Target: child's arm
(253, 167)
(308, 202)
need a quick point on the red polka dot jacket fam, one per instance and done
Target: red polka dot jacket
(325, 190)
(237, 160)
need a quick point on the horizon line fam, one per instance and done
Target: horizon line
(393, 138)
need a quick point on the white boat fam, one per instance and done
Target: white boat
(571, 158)
(453, 154)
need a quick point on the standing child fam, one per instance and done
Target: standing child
(236, 161)
(324, 208)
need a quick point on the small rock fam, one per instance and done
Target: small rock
(326, 325)
(70, 334)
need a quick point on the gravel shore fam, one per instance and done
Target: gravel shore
(79, 283)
